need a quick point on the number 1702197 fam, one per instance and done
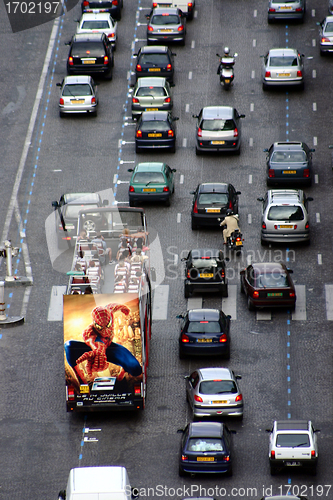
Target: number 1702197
(32, 7)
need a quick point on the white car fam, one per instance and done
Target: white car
(282, 67)
(101, 22)
(293, 443)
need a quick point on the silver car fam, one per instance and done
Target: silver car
(285, 216)
(282, 10)
(330, 7)
(282, 67)
(78, 94)
(151, 94)
(214, 392)
(100, 22)
(166, 25)
(326, 35)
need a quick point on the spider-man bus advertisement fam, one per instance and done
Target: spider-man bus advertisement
(104, 351)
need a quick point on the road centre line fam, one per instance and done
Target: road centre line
(184, 142)
(187, 108)
(314, 73)
(316, 179)
(320, 259)
(193, 44)
(253, 74)
(313, 42)
(56, 300)
(249, 218)
(300, 310)
(254, 43)
(229, 304)
(317, 217)
(313, 12)
(190, 75)
(255, 13)
(160, 303)
(314, 106)
(315, 141)
(251, 142)
(181, 180)
(329, 302)
(179, 218)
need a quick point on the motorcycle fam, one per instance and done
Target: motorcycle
(235, 241)
(226, 70)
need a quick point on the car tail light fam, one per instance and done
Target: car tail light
(291, 294)
(188, 274)
(273, 454)
(271, 10)
(239, 397)
(199, 132)
(299, 9)
(226, 458)
(271, 173)
(70, 61)
(137, 389)
(195, 208)
(180, 28)
(324, 39)
(138, 67)
(135, 100)
(255, 294)
(169, 67)
(230, 204)
(299, 73)
(115, 2)
(267, 74)
(165, 189)
(131, 189)
(197, 398)
(190, 5)
(263, 225)
(184, 457)
(165, 14)
(168, 99)
(170, 133)
(236, 132)
(93, 100)
(154, 5)
(138, 133)
(150, 28)
(223, 338)
(306, 172)
(222, 273)
(70, 393)
(184, 338)
(106, 60)
(275, 226)
(295, 226)
(85, 3)
(61, 101)
(307, 225)
(110, 35)
(313, 453)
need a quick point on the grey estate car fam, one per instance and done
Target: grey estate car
(151, 94)
(282, 67)
(282, 10)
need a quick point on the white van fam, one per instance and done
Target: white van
(186, 7)
(98, 483)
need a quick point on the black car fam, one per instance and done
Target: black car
(90, 54)
(206, 447)
(211, 200)
(155, 130)
(67, 212)
(113, 7)
(204, 332)
(155, 61)
(289, 163)
(205, 272)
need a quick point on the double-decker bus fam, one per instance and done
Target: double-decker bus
(107, 312)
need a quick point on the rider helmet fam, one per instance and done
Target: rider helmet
(229, 212)
(226, 51)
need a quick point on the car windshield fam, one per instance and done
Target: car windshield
(148, 177)
(151, 91)
(283, 61)
(217, 387)
(272, 280)
(154, 59)
(283, 2)
(204, 263)
(328, 28)
(158, 125)
(165, 19)
(217, 125)
(95, 25)
(204, 327)
(72, 211)
(213, 198)
(205, 444)
(285, 213)
(289, 157)
(77, 89)
(292, 440)
(88, 49)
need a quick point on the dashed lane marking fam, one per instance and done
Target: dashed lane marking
(55, 306)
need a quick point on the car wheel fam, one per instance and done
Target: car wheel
(167, 202)
(181, 356)
(197, 151)
(264, 86)
(270, 21)
(61, 114)
(242, 287)
(229, 472)
(313, 471)
(112, 63)
(301, 86)
(227, 353)
(173, 189)
(322, 53)
(173, 149)
(131, 203)
(273, 470)
(263, 242)
(181, 472)
(108, 75)
(193, 225)
(137, 149)
(238, 151)
(94, 113)
(182, 43)
(225, 292)
(186, 292)
(250, 306)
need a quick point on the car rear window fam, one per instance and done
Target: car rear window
(217, 387)
(205, 444)
(285, 213)
(217, 125)
(151, 91)
(77, 89)
(292, 440)
(88, 49)
(204, 263)
(283, 61)
(154, 59)
(72, 211)
(272, 280)
(148, 177)
(165, 19)
(283, 2)
(213, 198)
(204, 327)
(95, 25)
(289, 157)
(158, 125)
(101, 5)
(328, 28)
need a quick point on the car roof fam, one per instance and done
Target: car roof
(292, 425)
(152, 49)
(77, 79)
(206, 429)
(329, 19)
(155, 81)
(288, 146)
(96, 15)
(165, 10)
(150, 166)
(204, 314)
(198, 253)
(79, 198)
(215, 373)
(285, 196)
(213, 187)
(88, 37)
(211, 112)
(268, 266)
(283, 52)
(154, 115)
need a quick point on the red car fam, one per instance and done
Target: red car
(268, 284)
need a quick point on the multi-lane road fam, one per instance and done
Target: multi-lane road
(285, 360)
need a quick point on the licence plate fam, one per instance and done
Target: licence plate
(285, 8)
(77, 101)
(146, 190)
(151, 109)
(205, 459)
(213, 210)
(218, 142)
(88, 61)
(238, 243)
(275, 295)
(292, 464)
(289, 171)
(227, 80)
(283, 75)
(285, 226)
(206, 275)
(220, 402)
(154, 69)
(154, 135)
(204, 340)
(165, 31)
(84, 389)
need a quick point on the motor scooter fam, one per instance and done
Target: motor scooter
(226, 70)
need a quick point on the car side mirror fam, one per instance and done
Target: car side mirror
(241, 116)
(173, 54)
(269, 430)
(179, 316)
(193, 192)
(130, 170)
(183, 259)
(290, 270)
(260, 199)
(173, 170)
(265, 150)
(76, 20)
(218, 55)
(232, 431)
(238, 377)
(58, 84)
(195, 116)
(316, 430)
(135, 55)
(147, 16)
(309, 198)
(68, 43)
(312, 150)
(228, 316)
(62, 495)
(175, 118)
(226, 259)
(55, 204)
(186, 377)
(180, 431)
(235, 54)
(238, 192)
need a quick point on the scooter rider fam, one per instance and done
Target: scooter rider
(225, 56)
(231, 223)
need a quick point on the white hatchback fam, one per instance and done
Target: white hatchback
(101, 22)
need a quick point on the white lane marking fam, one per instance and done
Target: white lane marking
(314, 106)
(126, 161)
(193, 44)
(313, 12)
(187, 108)
(190, 75)
(252, 106)
(160, 302)
(300, 310)
(184, 142)
(314, 41)
(133, 45)
(253, 74)
(196, 14)
(229, 304)
(315, 141)
(115, 178)
(249, 259)
(316, 178)
(263, 315)
(317, 217)
(254, 43)
(251, 142)
(194, 303)
(181, 181)
(255, 12)
(249, 218)
(314, 73)
(179, 218)
(329, 302)
(250, 178)
(55, 307)
(320, 259)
